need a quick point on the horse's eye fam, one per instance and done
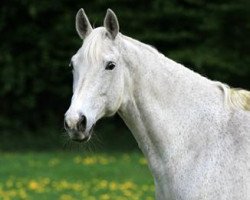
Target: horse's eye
(110, 66)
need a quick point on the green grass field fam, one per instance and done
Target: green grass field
(72, 175)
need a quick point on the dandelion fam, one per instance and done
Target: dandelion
(128, 185)
(113, 186)
(105, 197)
(36, 186)
(102, 184)
(92, 160)
(76, 187)
(23, 194)
(89, 161)
(143, 161)
(103, 161)
(127, 193)
(33, 185)
(66, 197)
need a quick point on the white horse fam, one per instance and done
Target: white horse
(194, 132)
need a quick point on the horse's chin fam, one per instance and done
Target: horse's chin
(80, 137)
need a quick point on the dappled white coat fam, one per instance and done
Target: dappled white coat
(196, 142)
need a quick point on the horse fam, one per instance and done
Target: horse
(194, 132)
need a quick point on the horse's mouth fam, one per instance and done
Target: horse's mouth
(81, 140)
(81, 136)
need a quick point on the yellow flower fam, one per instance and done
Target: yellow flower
(113, 186)
(103, 161)
(102, 184)
(66, 197)
(62, 185)
(36, 186)
(143, 161)
(89, 161)
(128, 185)
(33, 185)
(76, 186)
(104, 197)
(23, 194)
(127, 193)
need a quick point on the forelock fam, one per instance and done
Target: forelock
(94, 45)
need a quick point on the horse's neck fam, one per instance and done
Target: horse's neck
(161, 101)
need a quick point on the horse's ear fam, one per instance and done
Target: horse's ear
(83, 27)
(111, 23)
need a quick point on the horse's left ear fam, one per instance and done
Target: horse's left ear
(111, 23)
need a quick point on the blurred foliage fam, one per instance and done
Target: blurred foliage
(38, 39)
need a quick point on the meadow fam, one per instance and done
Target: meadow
(75, 175)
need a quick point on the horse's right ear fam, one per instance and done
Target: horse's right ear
(83, 27)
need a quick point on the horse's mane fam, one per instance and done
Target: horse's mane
(239, 98)
(236, 97)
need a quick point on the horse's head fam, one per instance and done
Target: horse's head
(97, 76)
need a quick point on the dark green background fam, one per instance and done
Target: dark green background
(38, 38)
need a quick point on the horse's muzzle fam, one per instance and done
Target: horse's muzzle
(80, 126)
(77, 132)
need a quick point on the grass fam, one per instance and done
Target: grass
(74, 175)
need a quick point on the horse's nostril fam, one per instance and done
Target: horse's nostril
(81, 125)
(66, 126)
